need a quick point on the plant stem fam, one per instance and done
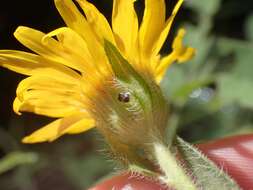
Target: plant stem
(172, 128)
(174, 175)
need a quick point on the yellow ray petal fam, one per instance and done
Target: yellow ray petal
(76, 21)
(70, 40)
(37, 93)
(164, 33)
(180, 53)
(75, 56)
(69, 125)
(31, 64)
(47, 83)
(48, 47)
(82, 126)
(73, 18)
(163, 66)
(50, 97)
(50, 103)
(97, 21)
(41, 107)
(184, 53)
(125, 27)
(16, 105)
(31, 38)
(188, 54)
(152, 25)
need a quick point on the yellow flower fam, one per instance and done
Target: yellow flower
(71, 78)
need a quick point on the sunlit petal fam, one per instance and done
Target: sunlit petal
(31, 64)
(180, 53)
(125, 27)
(77, 22)
(166, 30)
(97, 21)
(72, 124)
(183, 53)
(152, 25)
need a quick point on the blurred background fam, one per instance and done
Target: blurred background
(210, 97)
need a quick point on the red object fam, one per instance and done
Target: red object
(233, 154)
(128, 182)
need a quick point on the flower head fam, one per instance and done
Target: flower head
(87, 74)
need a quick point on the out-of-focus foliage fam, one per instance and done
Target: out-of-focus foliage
(14, 159)
(211, 96)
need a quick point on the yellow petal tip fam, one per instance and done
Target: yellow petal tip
(20, 28)
(31, 139)
(28, 140)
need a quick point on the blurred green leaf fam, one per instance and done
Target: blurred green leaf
(195, 37)
(249, 27)
(204, 6)
(17, 158)
(234, 8)
(86, 170)
(177, 87)
(228, 45)
(236, 89)
(236, 86)
(246, 129)
(7, 142)
(183, 93)
(172, 81)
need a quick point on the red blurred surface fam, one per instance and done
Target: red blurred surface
(234, 155)
(128, 182)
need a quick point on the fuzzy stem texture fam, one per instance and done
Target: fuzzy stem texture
(174, 175)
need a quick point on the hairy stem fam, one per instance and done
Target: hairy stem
(174, 174)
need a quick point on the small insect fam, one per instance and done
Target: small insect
(124, 97)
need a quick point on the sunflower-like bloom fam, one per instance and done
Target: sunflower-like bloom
(88, 74)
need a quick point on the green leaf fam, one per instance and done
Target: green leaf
(236, 89)
(185, 90)
(173, 80)
(204, 6)
(208, 176)
(236, 86)
(249, 27)
(177, 87)
(15, 159)
(86, 170)
(228, 45)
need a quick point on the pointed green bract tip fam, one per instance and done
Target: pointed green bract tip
(123, 70)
